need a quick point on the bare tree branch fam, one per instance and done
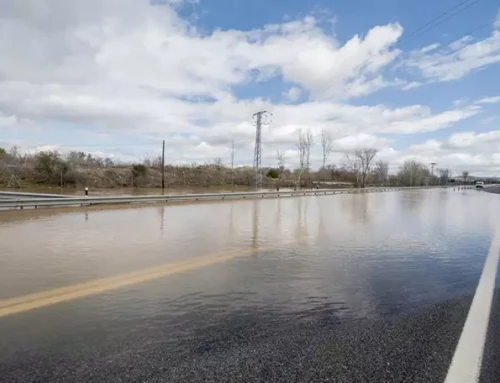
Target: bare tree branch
(309, 144)
(465, 175)
(280, 159)
(414, 173)
(304, 144)
(364, 158)
(232, 165)
(326, 145)
(381, 171)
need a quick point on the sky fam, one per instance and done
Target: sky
(413, 79)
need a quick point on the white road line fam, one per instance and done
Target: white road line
(466, 363)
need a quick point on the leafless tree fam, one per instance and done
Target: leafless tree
(326, 145)
(352, 165)
(280, 159)
(413, 173)
(444, 175)
(362, 162)
(108, 162)
(304, 144)
(218, 162)
(147, 160)
(15, 154)
(232, 165)
(157, 162)
(465, 175)
(381, 171)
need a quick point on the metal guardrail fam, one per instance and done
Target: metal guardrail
(88, 201)
(8, 194)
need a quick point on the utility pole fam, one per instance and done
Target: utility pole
(163, 166)
(257, 158)
(432, 168)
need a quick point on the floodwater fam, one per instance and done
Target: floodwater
(203, 265)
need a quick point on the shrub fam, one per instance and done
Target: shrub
(273, 173)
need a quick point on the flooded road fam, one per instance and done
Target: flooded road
(241, 291)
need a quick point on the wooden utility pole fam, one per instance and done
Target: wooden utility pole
(163, 166)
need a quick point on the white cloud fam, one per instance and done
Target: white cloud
(293, 94)
(429, 147)
(124, 66)
(412, 84)
(478, 153)
(472, 139)
(132, 43)
(427, 122)
(462, 140)
(456, 60)
(7, 120)
(489, 100)
(430, 48)
(350, 143)
(458, 44)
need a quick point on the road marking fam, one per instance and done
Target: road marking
(51, 297)
(466, 363)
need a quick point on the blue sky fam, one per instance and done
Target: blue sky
(115, 77)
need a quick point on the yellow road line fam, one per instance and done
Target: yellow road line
(51, 297)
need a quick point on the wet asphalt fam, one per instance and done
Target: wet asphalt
(493, 189)
(490, 371)
(416, 346)
(248, 343)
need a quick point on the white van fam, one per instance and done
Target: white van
(480, 185)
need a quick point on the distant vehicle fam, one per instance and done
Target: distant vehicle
(480, 185)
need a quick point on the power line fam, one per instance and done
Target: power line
(436, 22)
(429, 23)
(454, 39)
(415, 33)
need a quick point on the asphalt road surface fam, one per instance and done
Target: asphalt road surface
(417, 346)
(313, 301)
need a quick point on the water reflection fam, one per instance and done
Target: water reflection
(231, 222)
(412, 200)
(255, 223)
(278, 215)
(302, 211)
(161, 212)
(354, 254)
